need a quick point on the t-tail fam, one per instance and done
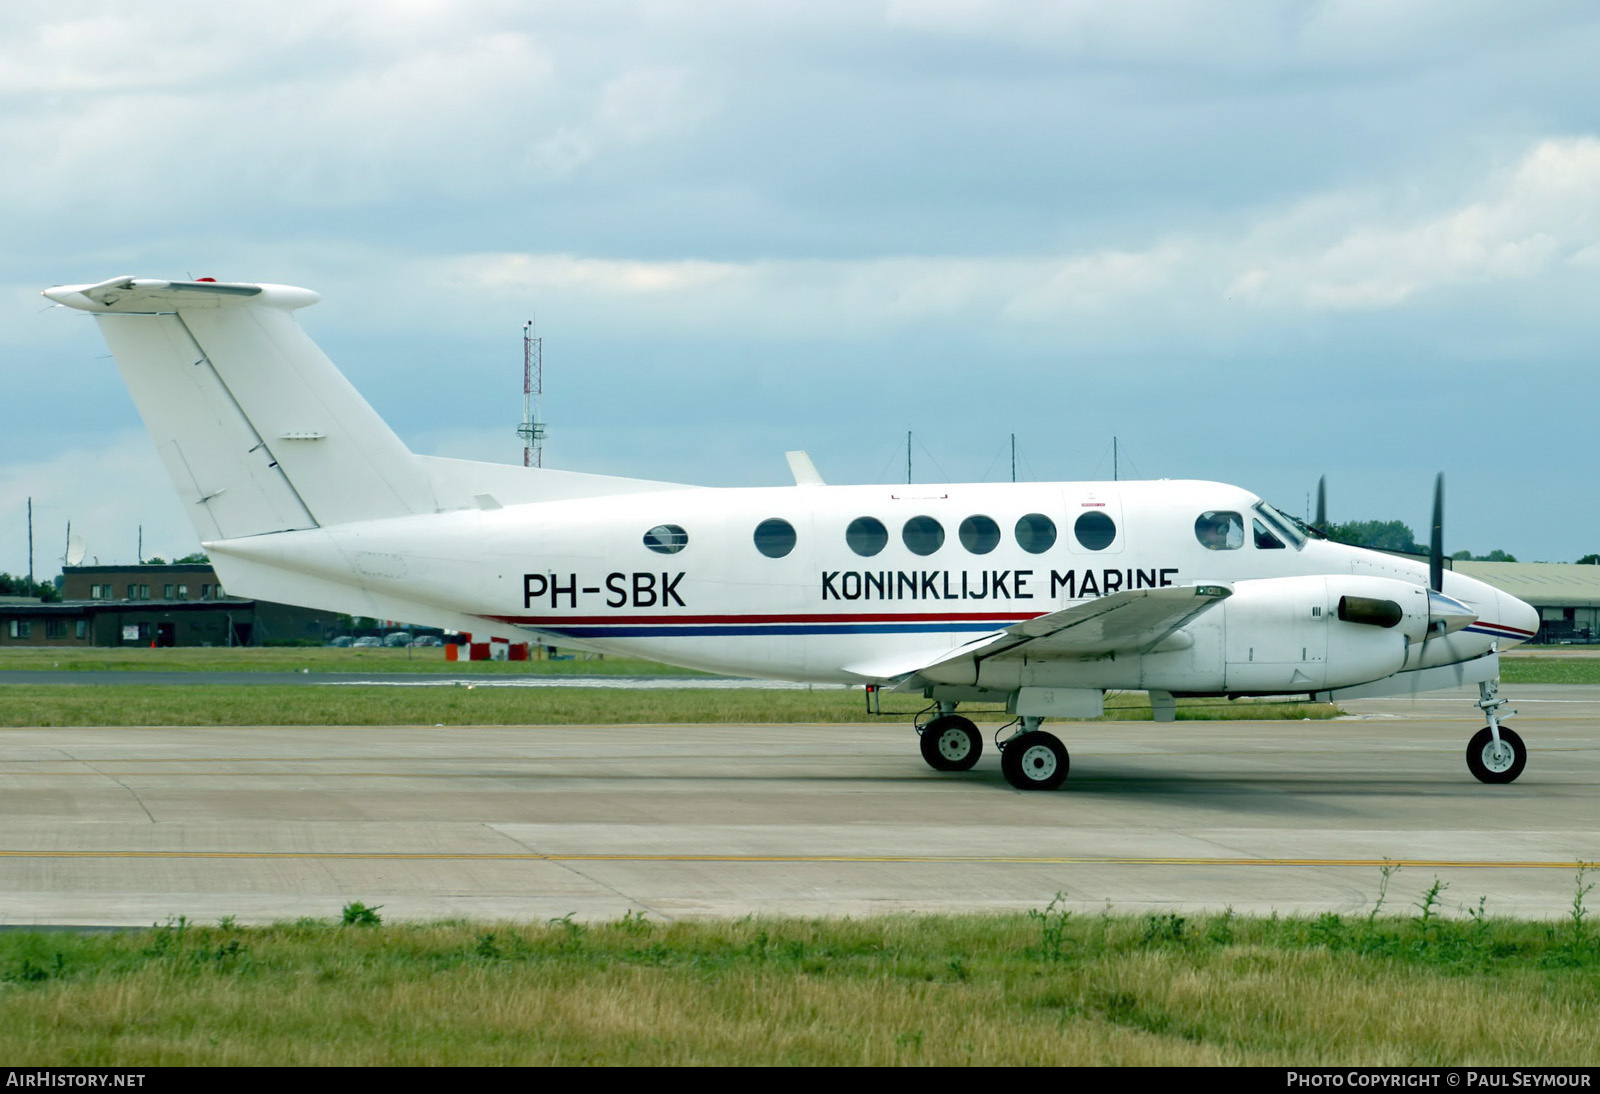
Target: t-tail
(261, 433)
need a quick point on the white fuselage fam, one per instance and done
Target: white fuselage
(837, 606)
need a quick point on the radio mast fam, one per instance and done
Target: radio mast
(532, 429)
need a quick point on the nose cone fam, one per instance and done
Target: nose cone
(1446, 614)
(1518, 622)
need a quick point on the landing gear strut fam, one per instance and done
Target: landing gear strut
(1495, 754)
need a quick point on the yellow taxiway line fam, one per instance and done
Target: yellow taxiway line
(1022, 860)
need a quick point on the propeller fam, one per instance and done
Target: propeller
(1445, 614)
(1436, 543)
(1321, 523)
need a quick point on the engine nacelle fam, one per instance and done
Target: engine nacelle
(1277, 635)
(1306, 633)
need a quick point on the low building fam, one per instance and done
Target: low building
(180, 604)
(1566, 594)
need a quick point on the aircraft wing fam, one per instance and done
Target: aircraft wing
(1132, 621)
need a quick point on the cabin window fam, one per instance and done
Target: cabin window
(922, 535)
(775, 537)
(980, 535)
(1095, 530)
(1036, 533)
(1265, 540)
(666, 539)
(866, 536)
(1219, 530)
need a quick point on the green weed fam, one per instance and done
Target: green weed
(357, 914)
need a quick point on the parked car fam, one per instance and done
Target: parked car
(344, 641)
(368, 643)
(396, 639)
(427, 640)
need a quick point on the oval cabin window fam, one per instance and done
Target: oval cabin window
(922, 535)
(1095, 530)
(775, 537)
(1036, 533)
(866, 536)
(980, 535)
(666, 539)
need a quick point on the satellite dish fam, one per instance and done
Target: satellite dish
(75, 549)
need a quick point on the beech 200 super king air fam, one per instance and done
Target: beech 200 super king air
(1040, 596)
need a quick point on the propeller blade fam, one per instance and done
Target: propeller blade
(1436, 546)
(1321, 523)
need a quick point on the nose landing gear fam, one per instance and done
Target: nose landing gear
(1495, 754)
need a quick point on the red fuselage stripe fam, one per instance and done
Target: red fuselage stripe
(874, 617)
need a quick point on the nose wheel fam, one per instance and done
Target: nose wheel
(1492, 761)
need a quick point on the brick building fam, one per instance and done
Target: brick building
(180, 604)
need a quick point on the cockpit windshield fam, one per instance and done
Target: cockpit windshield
(1293, 530)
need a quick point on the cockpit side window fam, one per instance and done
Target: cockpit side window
(1219, 530)
(1287, 527)
(1265, 540)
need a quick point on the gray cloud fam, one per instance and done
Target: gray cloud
(1256, 242)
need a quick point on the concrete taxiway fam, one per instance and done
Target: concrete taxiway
(132, 826)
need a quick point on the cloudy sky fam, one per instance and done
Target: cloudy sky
(1254, 242)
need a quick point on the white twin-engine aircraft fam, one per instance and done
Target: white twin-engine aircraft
(1039, 596)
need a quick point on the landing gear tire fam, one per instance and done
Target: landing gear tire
(1490, 766)
(1034, 761)
(951, 743)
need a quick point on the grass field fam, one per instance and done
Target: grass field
(1550, 669)
(1043, 988)
(355, 705)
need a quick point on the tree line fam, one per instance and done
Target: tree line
(1396, 535)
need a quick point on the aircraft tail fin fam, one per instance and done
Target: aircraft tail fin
(257, 428)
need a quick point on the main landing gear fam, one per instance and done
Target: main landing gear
(951, 743)
(1495, 754)
(1030, 758)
